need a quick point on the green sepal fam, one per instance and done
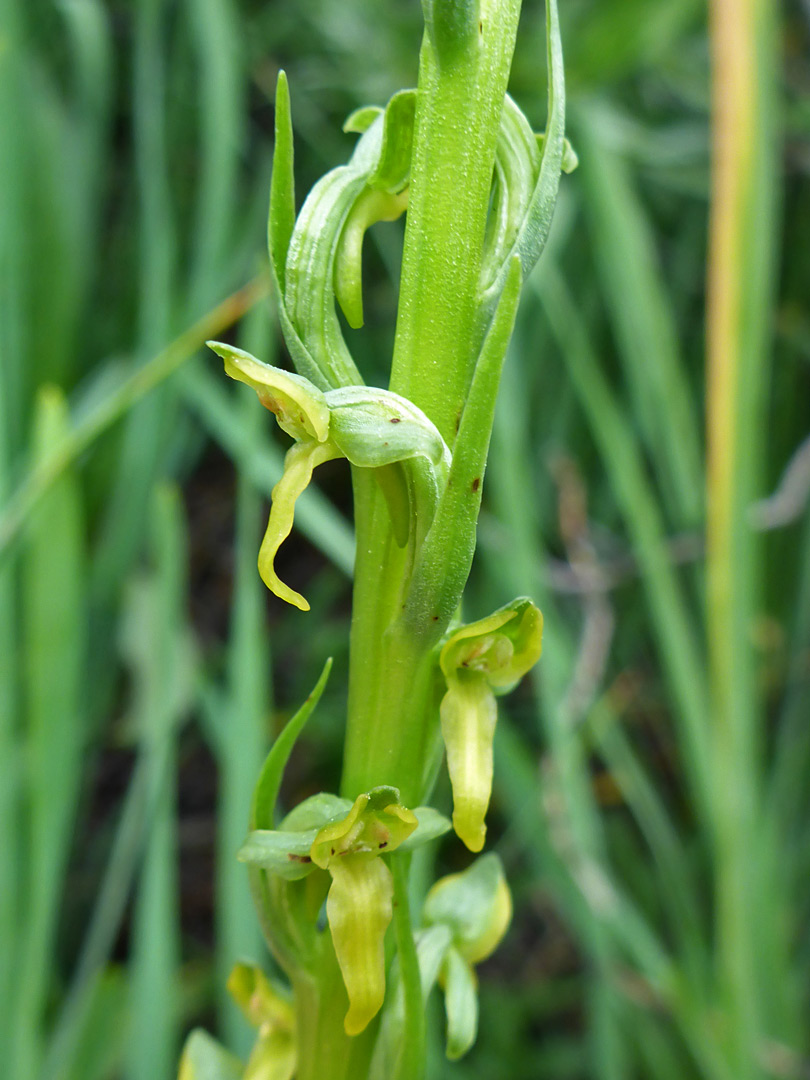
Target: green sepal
(286, 851)
(475, 905)
(265, 794)
(359, 121)
(375, 822)
(297, 404)
(315, 812)
(479, 660)
(430, 826)
(370, 207)
(502, 647)
(203, 1058)
(570, 158)
(285, 854)
(460, 1003)
(393, 168)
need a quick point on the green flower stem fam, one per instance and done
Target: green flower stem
(325, 1052)
(411, 1064)
(392, 729)
(458, 117)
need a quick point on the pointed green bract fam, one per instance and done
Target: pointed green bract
(281, 218)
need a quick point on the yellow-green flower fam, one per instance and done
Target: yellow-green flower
(476, 907)
(478, 661)
(274, 1055)
(371, 428)
(359, 904)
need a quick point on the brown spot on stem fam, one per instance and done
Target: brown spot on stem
(299, 858)
(396, 420)
(476, 484)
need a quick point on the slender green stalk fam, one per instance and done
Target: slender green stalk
(740, 297)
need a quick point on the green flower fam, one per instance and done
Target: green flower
(478, 661)
(326, 833)
(371, 428)
(476, 907)
(274, 1055)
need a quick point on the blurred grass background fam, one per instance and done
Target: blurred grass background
(652, 802)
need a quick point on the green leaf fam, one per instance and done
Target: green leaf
(461, 1004)
(265, 795)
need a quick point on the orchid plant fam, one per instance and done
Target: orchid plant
(331, 878)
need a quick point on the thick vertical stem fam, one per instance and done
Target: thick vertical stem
(392, 722)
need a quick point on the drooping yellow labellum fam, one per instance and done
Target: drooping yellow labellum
(359, 910)
(468, 716)
(299, 463)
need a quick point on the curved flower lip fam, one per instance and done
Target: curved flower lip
(298, 405)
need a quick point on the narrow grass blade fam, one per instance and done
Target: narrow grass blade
(242, 745)
(220, 51)
(740, 289)
(54, 621)
(156, 643)
(673, 622)
(643, 323)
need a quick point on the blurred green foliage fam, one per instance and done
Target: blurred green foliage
(135, 636)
